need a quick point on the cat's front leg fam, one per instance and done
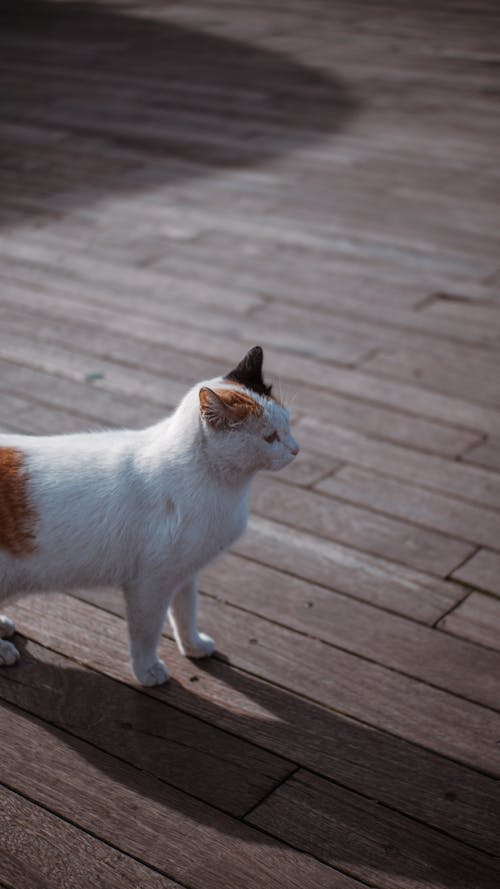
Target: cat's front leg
(183, 618)
(147, 601)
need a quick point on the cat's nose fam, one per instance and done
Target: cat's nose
(295, 450)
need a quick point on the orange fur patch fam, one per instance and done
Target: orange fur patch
(240, 404)
(271, 396)
(17, 517)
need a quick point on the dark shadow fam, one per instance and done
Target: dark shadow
(208, 759)
(96, 100)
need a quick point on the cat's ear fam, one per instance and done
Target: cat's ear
(249, 372)
(226, 407)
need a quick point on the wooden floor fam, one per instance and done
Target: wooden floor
(180, 181)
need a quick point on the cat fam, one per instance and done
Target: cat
(144, 510)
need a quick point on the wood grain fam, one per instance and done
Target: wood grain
(415, 504)
(369, 841)
(476, 618)
(209, 764)
(470, 483)
(345, 523)
(330, 677)
(483, 571)
(387, 639)
(409, 778)
(39, 849)
(344, 569)
(97, 793)
(178, 185)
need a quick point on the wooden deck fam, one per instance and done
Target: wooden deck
(180, 181)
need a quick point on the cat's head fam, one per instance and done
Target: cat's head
(242, 420)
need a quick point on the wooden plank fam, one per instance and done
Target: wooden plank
(414, 333)
(414, 504)
(467, 482)
(485, 454)
(101, 373)
(346, 348)
(91, 338)
(308, 469)
(346, 750)
(482, 571)
(369, 841)
(96, 331)
(359, 528)
(463, 311)
(207, 763)
(50, 337)
(374, 694)
(403, 645)
(376, 420)
(33, 418)
(476, 618)
(39, 849)
(470, 374)
(61, 773)
(77, 396)
(343, 569)
(68, 302)
(109, 284)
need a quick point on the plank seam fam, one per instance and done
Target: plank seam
(356, 654)
(299, 696)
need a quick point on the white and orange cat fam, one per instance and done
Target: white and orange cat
(144, 510)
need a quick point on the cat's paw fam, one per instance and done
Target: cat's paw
(8, 654)
(153, 675)
(202, 646)
(7, 627)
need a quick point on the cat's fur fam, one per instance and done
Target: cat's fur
(144, 510)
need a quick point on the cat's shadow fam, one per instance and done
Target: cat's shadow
(121, 102)
(139, 743)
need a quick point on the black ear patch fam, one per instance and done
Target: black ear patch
(249, 372)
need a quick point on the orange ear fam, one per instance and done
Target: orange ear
(225, 407)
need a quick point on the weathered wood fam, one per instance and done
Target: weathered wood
(374, 694)
(359, 528)
(451, 797)
(91, 338)
(31, 418)
(476, 618)
(189, 754)
(469, 374)
(346, 570)
(483, 571)
(39, 849)
(77, 396)
(177, 185)
(357, 627)
(103, 374)
(169, 830)
(62, 298)
(485, 454)
(467, 482)
(343, 347)
(414, 504)
(369, 841)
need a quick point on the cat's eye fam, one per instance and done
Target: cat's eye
(273, 437)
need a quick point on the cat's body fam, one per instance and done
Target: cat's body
(144, 510)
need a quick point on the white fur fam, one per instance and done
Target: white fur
(144, 510)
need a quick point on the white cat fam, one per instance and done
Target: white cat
(144, 510)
